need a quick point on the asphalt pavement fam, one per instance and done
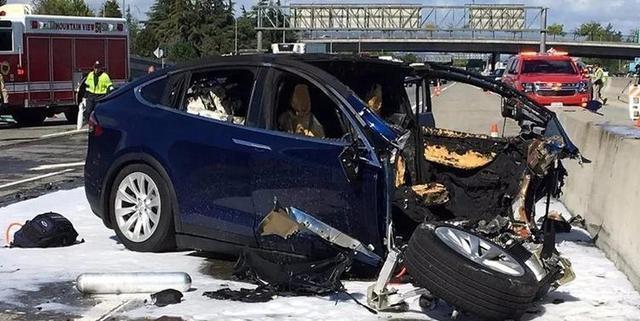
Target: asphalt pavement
(38, 160)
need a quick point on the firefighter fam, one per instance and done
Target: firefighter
(598, 83)
(97, 85)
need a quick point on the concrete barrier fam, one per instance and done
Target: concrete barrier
(606, 191)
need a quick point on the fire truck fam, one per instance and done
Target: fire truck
(43, 60)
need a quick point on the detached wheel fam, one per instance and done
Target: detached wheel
(470, 272)
(141, 211)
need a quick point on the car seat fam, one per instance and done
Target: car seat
(299, 119)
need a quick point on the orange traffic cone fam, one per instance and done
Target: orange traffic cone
(438, 90)
(494, 130)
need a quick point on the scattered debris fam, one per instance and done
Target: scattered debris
(166, 297)
(260, 294)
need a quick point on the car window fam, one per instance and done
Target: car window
(223, 94)
(164, 91)
(153, 91)
(302, 108)
(512, 66)
(548, 66)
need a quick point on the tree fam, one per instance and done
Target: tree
(111, 9)
(594, 31)
(62, 7)
(189, 28)
(409, 58)
(634, 36)
(556, 29)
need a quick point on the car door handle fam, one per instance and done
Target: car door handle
(251, 144)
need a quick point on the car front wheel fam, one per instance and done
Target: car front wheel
(470, 272)
(141, 211)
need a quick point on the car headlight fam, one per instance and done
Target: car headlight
(527, 87)
(583, 86)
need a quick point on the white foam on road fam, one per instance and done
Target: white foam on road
(600, 291)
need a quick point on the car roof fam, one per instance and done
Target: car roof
(286, 59)
(306, 63)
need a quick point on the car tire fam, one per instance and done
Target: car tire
(28, 118)
(435, 264)
(140, 193)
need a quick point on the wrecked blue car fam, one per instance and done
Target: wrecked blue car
(297, 154)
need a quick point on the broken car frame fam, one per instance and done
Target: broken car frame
(511, 233)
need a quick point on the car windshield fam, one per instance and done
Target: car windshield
(548, 67)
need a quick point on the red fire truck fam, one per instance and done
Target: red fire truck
(43, 59)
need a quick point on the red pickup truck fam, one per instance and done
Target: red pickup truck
(550, 79)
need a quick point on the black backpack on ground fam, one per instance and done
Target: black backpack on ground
(45, 230)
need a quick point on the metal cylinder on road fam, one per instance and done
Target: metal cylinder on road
(135, 282)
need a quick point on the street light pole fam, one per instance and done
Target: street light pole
(235, 44)
(543, 30)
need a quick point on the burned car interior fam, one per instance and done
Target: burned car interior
(220, 95)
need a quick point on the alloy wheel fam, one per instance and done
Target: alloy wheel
(137, 207)
(480, 251)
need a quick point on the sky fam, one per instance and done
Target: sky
(624, 15)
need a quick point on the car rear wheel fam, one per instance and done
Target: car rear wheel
(141, 211)
(470, 272)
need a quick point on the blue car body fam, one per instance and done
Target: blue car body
(224, 177)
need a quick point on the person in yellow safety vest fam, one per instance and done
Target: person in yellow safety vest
(598, 84)
(98, 84)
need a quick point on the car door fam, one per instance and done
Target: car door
(511, 73)
(208, 166)
(307, 172)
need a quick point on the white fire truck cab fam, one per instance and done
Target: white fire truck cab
(43, 60)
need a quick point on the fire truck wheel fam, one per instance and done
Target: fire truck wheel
(28, 118)
(72, 115)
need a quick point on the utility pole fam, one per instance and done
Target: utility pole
(235, 43)
(543, 30)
